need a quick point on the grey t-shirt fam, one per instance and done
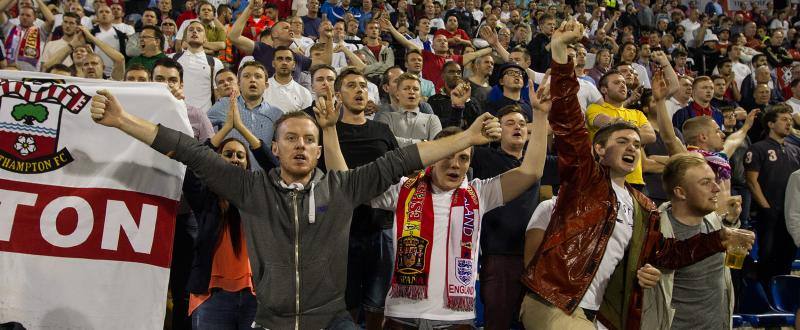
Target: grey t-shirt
(699, 295)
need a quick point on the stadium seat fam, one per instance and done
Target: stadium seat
(756, 310)
(738, 321)
(786, 293)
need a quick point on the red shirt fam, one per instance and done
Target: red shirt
(432, 66)
(458, 49)
(284, 7)
(376, 50)
(253, 29)
(187, 15)
(700, 111)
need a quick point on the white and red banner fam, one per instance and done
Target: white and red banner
(87, 213)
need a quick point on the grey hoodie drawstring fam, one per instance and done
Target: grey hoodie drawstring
(298, 187)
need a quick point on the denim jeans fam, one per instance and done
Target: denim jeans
(369, 270)
(226, 310)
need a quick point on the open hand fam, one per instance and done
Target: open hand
(106, 110)
(660, 86)
(489, 35)
(751, 118)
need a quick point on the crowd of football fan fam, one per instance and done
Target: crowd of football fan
(390, 78)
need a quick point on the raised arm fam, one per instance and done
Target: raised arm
(49, 19)
(244, 44)
(327, 114)
(62, 53)
(118, 73)
(326, 38)
(489, 35)
(229, 182)
(516, 181)
(485, 129)
(670, 76)
(386, 25)
(467, 58)
(351, 57)
(665, 128)
(573, 144)
(735, 140)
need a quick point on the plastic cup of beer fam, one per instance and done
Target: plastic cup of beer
(734, 258)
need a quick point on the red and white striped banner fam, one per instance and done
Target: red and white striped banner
(86, 213)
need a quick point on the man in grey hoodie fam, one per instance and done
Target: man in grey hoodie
(296, 219)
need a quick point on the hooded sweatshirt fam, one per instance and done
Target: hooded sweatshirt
(296, 235)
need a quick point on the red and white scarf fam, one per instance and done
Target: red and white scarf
(23, 45)
(415, 233)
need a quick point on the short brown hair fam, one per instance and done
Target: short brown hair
(253, 64)
(604, 133)
(676, 168)
(511, 108)
(699, 80)
(348, 71)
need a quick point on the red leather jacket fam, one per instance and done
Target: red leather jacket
(584, 218)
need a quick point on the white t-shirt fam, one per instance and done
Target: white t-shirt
(795, 104)
(641, 71)
(540, 218)
(588, 94)
(289, 98)
(110, 37)
(300, 7)
(615, 249)
(51, 48)
(690, 27)
(490, 196)
(58, 19)
(197, 78)
(673, 106)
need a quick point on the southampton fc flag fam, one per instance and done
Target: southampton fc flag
(87, 213)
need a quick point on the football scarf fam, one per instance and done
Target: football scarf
(414, 217)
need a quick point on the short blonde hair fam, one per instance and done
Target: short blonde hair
(676, 168)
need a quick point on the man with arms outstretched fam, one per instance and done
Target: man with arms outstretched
(288, 212)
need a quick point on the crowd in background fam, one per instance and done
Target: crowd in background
(430, 65)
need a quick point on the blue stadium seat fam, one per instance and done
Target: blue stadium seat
(786, 293)
(756, 310)
(738, 321)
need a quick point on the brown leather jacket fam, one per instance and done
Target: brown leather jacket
(584, 218)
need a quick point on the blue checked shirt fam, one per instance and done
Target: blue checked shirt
(259, 121)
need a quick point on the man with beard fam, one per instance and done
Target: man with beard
(285, 93)
(614, 90)
(24, 42)
(200, 67)
(58, 51)
(768, 165)
(258, 115)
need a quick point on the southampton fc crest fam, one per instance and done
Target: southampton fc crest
(30, 121)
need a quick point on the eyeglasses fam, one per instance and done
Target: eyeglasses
(513, 73)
